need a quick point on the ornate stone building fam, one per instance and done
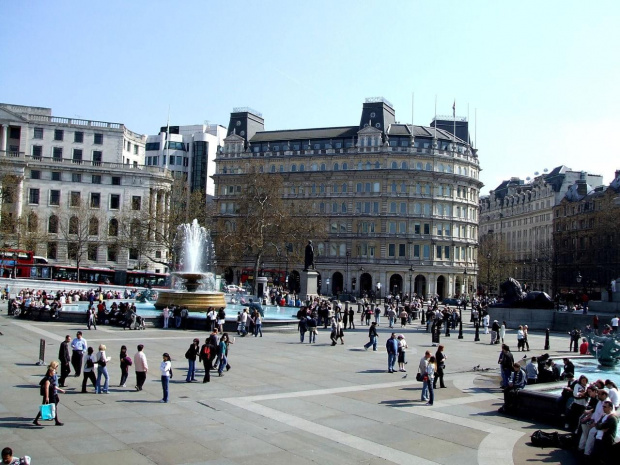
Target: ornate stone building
(54, 168)
(520, 216)
(586, 237)
(401, 200)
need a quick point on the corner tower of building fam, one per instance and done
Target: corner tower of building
(245, 122)
(379, 112)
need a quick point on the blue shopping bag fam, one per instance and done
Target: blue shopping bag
(48, 411)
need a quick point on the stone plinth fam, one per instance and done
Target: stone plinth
(198, 301)
(309, 285)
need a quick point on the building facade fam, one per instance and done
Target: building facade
(401, 200)
(55, 169)
(519, 216)
(188, 152)
(586, 238)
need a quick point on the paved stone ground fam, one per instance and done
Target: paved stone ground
(281, 403)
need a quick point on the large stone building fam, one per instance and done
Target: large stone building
(55, 169)
(401, 200)
(519, 217)
(587, 237)
(189, 152)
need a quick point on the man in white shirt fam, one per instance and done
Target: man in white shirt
(588, 435)
(79, 346)
(422, 370)
(614, 324)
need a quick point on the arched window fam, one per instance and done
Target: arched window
(93, 227)
(368, 165)
(403, 165)
(343, 207)
(273, 168)
(302, 167)
(394, 165)
(52, 225)
(321, 249)
(336, 167)
(321, 189)
(113, 227)
(418, 166)
(293, 168)
(314, 167)
(334, 207)
(359, 165)
(342, 250)
(74, 225)
(440, 169)
(313, 189)
(322, 207)
(33, 222)
(429, 167)
(345, 166)
(377, 165)
(323, 167)
(344, 188)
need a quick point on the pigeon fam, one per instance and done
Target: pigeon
(405, 376)
(476, 368)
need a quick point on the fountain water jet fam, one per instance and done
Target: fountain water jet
(196, 261)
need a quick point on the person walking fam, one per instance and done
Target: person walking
(221, 352)
(205, 358)
(312, 329)
(302, 327)
(351, 318)
(502, 331)
(431, 368)
(506, 362)
(440, 360)
(102, 370)
(92, 318)
(520, 340)
(526, 343)
(372, 336)
(141, 366)
(191, 355)
(79, 347)
(126, 362)
(49, 391)
(64, 359)
(166, 374)
(334, 334)
(258, 324)
(89, 370)
(211, 319)
(391, 345)
(221, 319)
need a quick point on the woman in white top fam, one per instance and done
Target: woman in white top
(166, 315)
(614, 397)
(166, 373)
(502, 331)
(102, 370)
(579, 404)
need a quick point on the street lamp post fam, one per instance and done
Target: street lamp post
(488, 274)
(361, 270)
(461, 311)
(411, 271)
(327, 284)
(348, 280)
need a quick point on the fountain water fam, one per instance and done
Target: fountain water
(197, 257)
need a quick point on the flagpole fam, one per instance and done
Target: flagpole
(475, 127)
(468, 141)
(454, 122)
(435, 136)
(167, 139)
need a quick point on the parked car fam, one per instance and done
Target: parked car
(232, 289)
(450, 301)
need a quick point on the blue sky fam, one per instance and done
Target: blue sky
(541, 76)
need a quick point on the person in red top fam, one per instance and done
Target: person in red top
(583, 348)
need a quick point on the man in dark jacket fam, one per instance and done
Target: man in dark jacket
(392, 349)
(372, 335)
(506, 362)
(64, 358)
(516, 383)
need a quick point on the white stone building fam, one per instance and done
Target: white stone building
(59, 163)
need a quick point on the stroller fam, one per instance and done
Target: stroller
(139, 324)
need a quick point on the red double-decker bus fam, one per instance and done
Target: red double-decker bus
(16, 263)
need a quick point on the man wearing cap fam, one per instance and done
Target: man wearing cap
(589, 420)
(79, 347)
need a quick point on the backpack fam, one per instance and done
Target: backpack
(128, 361)
(541, 439)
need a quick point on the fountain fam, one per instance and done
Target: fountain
(199, 282)
(606, 348)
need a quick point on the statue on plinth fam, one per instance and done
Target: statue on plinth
(309, 257)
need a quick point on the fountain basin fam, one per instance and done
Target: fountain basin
(198, 301)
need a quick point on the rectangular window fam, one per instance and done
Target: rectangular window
(98, 139)
(403, 208)
(78, 136)
(92, 252)
(97, 157)
(402, 250)
(391, 250)
(116, 180)
(112, 253)
(75, 199)
(439, 250)
(77, 156)
(52, 250)
(76, 177)
(115, 201)
(133, 253)
(33, 196)
(135, 150)
(35, 174)
(56, 176)
(402, 227)
(427, 228)
(38, 133)
(416, 228)
(95, 200)
(447, 252)
(57, 153)
(96, 179)
(427, 251)
(136, 202)
(59, 134)
(37, 152)
(416, 251)
(392, 227)
(54, 197)
(72, 249)
(375, 207)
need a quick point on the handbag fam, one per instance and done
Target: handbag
(48, 411)
(419, 377)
